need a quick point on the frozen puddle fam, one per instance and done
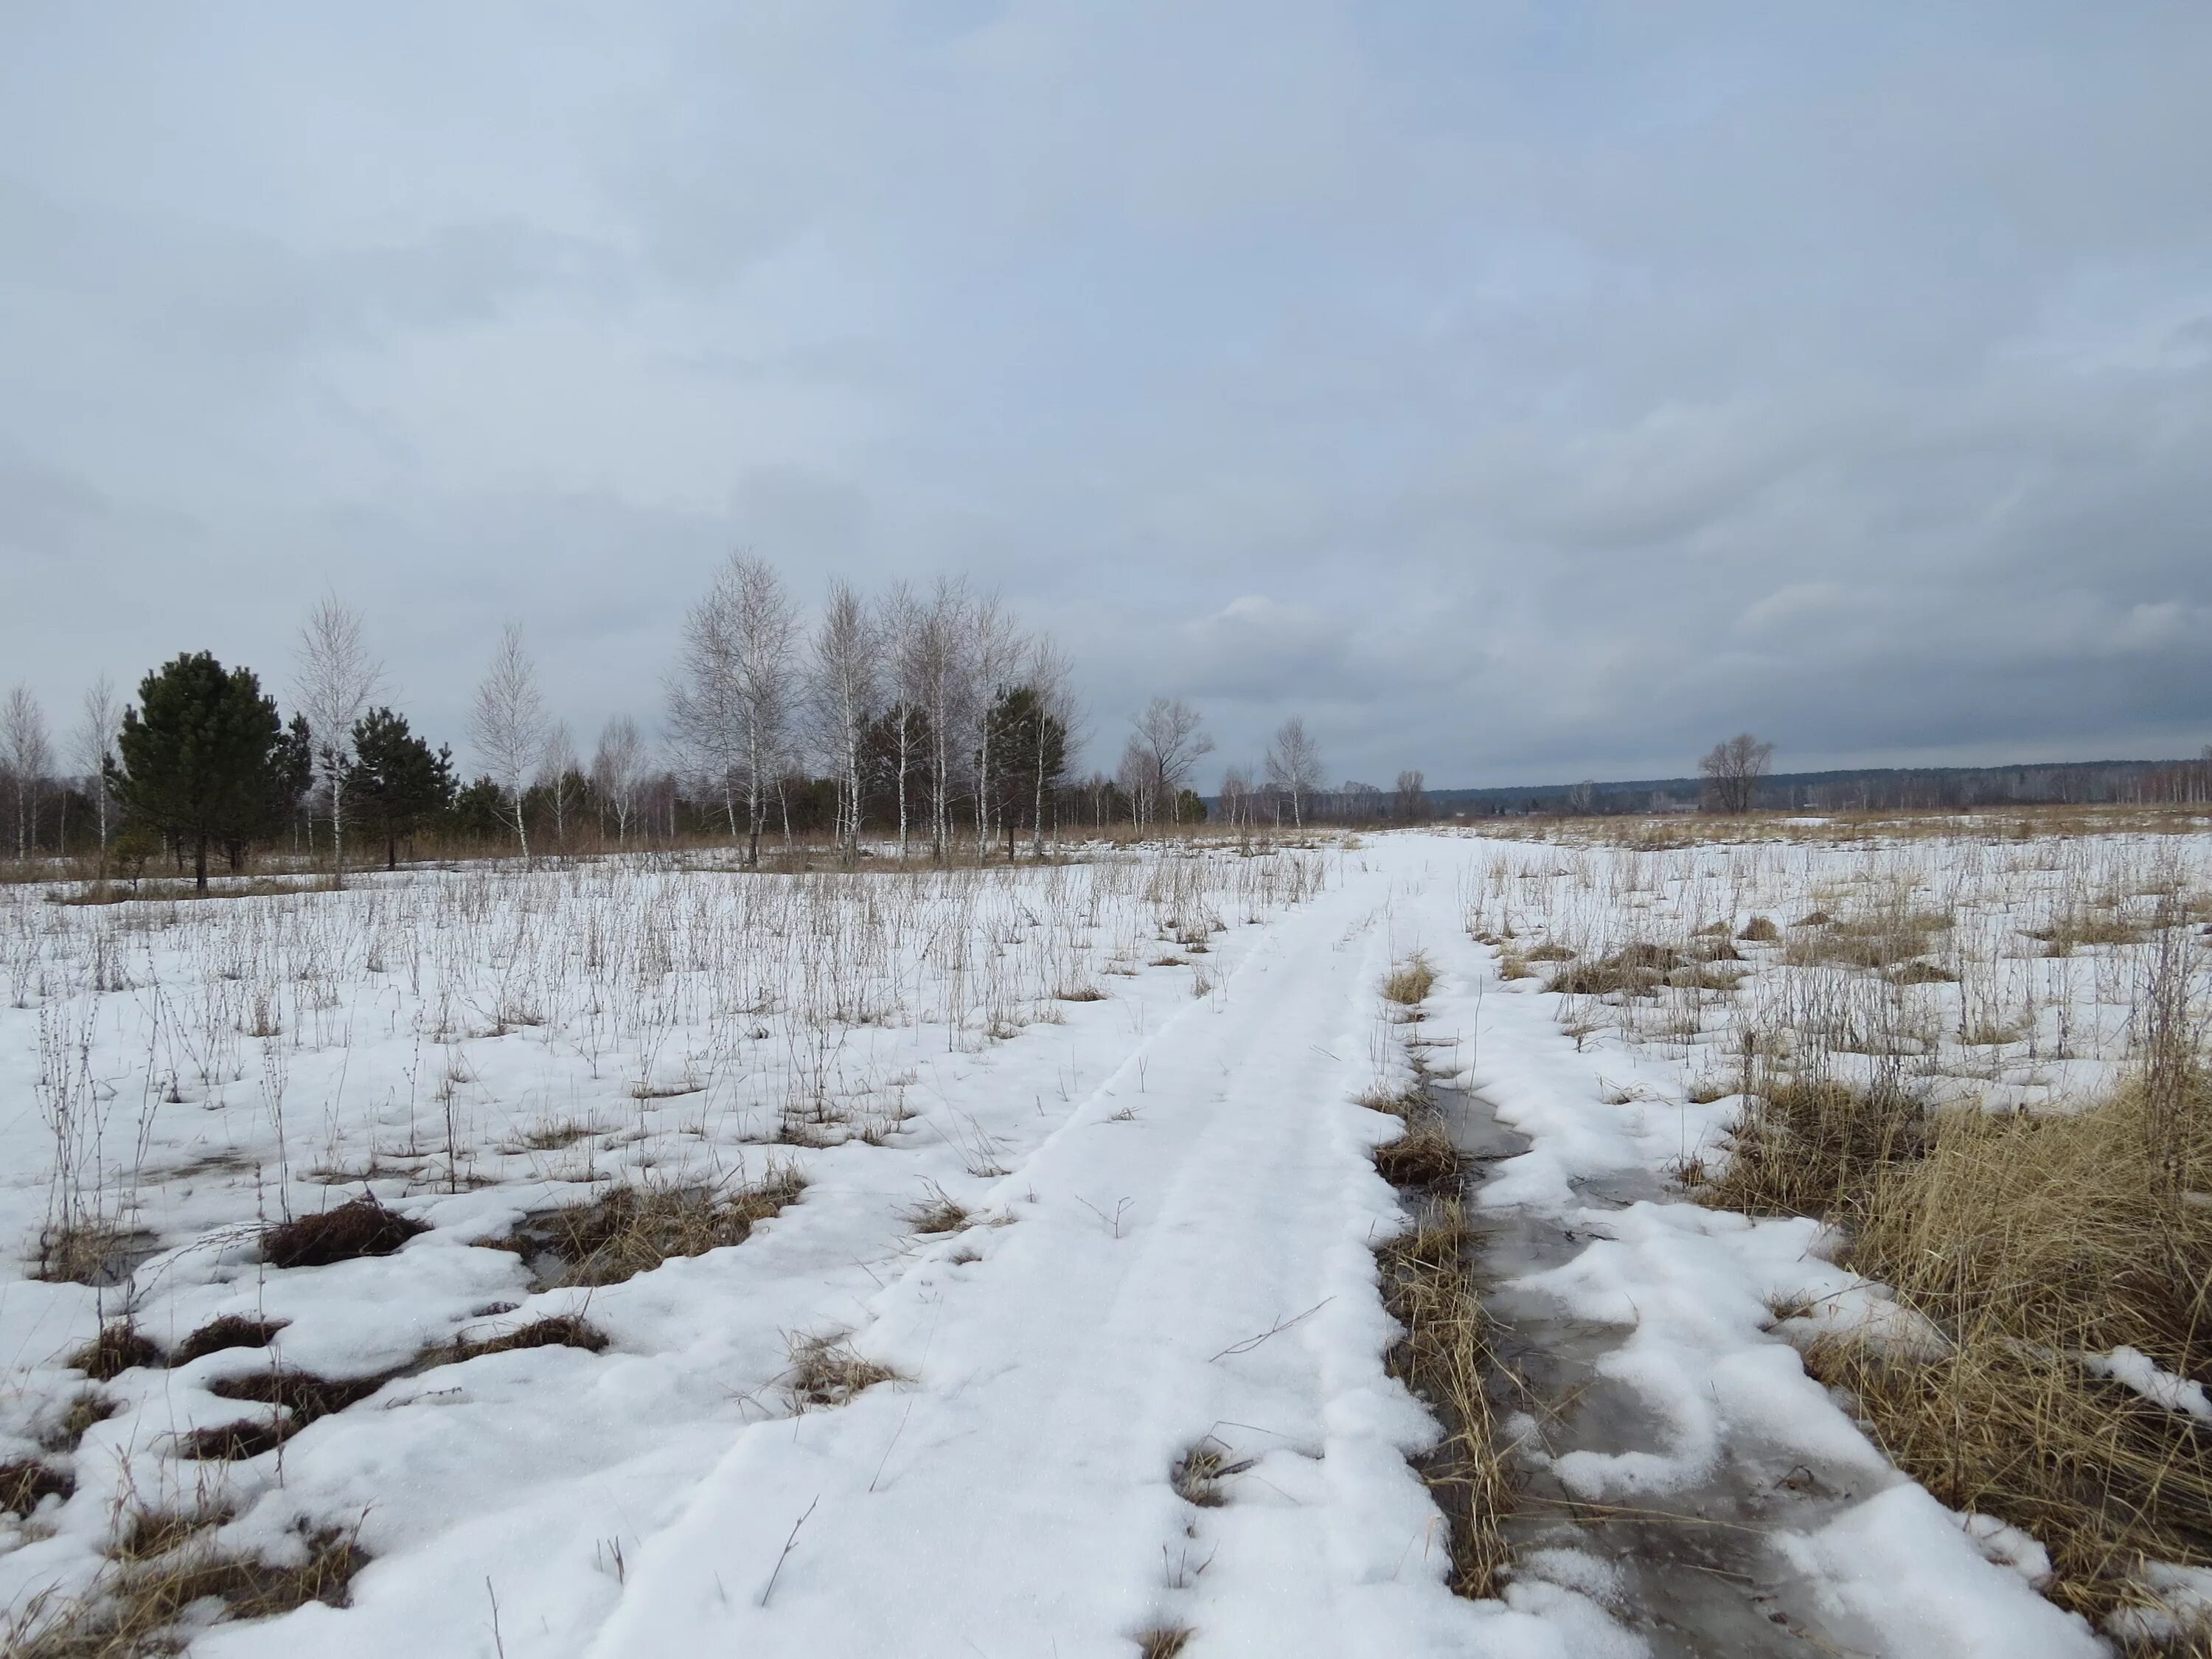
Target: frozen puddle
(1694, 1572)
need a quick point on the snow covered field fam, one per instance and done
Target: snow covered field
(1041, 1317)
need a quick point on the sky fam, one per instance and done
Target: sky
(1519, 391)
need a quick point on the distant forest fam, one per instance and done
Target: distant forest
(2057, 783)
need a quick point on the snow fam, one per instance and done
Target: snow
(2139, 1372)
(1171, 1218)
(1899, 1561)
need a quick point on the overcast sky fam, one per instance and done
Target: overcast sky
(1518, 390)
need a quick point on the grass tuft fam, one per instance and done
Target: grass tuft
(222, 1334)
(1163, 1641)
(362, 1227)
(142, 1606)
(1813, 1148)
(27, 1481)
(235, 1443)
(558, 1331)
(120, 1346)
(1199, 1472)
(940, 1212)
(632, 1230)
(1410, 982)
(827, 1370)
(1637, 969)
(1422, 1157)
(91, 1253)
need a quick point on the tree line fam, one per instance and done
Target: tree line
(930, 714)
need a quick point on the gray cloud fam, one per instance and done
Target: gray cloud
(1516, 391)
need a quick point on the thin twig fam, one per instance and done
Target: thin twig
(787, 1543)
(1276, 1329)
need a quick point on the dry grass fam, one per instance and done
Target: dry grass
(1760, 930)
(1422, 1157)
(362, 1227)
(235, 1443)
(1813, 1148)
(86, 1407)
(119, 1347)
(2075, 928)
(633, 1228)
(304, 1396)
(940, 1212)
(141, 1605)
(1443, 1358)
(827, 1370)
(91, 1253)
(559, 1331)
(25, 1480)
(1163, 1641)
(1637, 969)
(1199, 1472)
(2029, 1242)
(222, 1334)
(1409, 983)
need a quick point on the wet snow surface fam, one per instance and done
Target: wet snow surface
(1122, 1096)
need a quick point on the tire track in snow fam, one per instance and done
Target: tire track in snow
(1015, 1498)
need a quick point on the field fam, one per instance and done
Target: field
(637, 1256)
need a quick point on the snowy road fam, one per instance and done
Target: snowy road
(1016, 1498)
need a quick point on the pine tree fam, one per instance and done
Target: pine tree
(203, 756)
(396, 783)
(1029, 749)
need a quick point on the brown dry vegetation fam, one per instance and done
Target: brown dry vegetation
(1442, 1356)
(2031, 1241)
(634, 1229)
(362, 1227)
(1813, 1148)
(827, 1370)
(1410, 982)
(120, 1347)
(139, 1606)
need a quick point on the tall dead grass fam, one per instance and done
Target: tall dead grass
(1445, 1357)
(2036, 1246)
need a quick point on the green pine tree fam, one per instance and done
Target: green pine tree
(203, 756)
(396, 783)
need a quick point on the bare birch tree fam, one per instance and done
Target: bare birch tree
(555, 768)
(766, 634)
(1138, 776)
(1236, 797)
(95, 745)
(616, 767)
(846, 672)
(1294, 766)
(508, 726)
(995, 652)
(901, 626)
(334, 679)
(731, 698)
(1052, 677)
(1172, 735)
(27, 758)
(942, 686)
(1733, 770)
(704, 722)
